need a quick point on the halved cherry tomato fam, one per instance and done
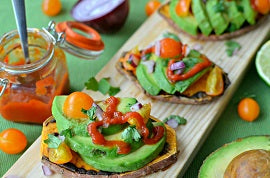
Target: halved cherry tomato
(262, 6)
(151, 7)
(182, 8)
(51, 7)
(248, 109)
(75, 102)
(12, 141)
(60, 155)
(168, 48)
(214, 83)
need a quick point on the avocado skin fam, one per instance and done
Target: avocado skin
(147, 80)
(188, 24)
(130, 162)
(199, 11)
(217, 162)
(249, 14)
(160, 76)
(236, 18)
(217, 19)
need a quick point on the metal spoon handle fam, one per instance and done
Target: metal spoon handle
(19, 11)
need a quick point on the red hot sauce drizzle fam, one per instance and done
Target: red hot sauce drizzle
(111, 117)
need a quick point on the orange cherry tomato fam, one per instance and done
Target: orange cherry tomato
(214, 83)
(169, 48)
(12, 141)
(151, 7)
(60, 155)
(248, 109)
(182, 8)
(261, 6)
(51, 7)
(74, 103)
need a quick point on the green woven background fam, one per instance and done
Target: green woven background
(228, 128)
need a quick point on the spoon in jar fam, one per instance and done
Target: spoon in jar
(19, 11)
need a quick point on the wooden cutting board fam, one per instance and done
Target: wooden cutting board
(200, 118)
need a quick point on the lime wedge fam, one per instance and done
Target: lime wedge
(263, 62)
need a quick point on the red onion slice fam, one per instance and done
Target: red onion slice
(47, 171)
(99, 111)
(133, 60)
(178, 65)
(157, 48)
(136, 107)
(173, 123)
(197, 46)
(150, 65)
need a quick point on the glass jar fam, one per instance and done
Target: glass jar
(28, 89)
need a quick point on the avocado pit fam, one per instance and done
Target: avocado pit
(252, 163)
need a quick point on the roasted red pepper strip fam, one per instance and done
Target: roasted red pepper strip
(197, 68)
(111, 116)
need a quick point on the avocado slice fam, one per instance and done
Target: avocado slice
(249, 13)
(188, 24)
(161, 77)
(199, 11)
(236, 18)
(130, 162)
(217, 19)
(217, 162)
(147, 80)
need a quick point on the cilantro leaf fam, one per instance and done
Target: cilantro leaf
(53, 141)
(131, 134)
(232, 47)
(113, 91)
(91, 84)
(67, 133)
(90, 112)
(104, 86)
(180, 120)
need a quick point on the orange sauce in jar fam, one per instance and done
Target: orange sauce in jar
(33, 85)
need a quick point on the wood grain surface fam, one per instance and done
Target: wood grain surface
(200, 118)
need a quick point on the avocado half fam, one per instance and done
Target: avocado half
(216, 163)
(143, 160)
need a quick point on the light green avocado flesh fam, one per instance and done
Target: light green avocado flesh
(130, 162)
(235, 17)
(217, 19)
(249, 14)
(216, 163)
(188, 24)
(101, 157)
(161, 77)
(199, 11)
(147, 80)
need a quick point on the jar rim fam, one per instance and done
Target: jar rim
(26, 68)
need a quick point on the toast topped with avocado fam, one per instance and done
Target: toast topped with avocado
(173, 72)
(214, 19)
(113, 138)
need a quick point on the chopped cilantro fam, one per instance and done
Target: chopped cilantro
(102, 86)
(66, 133)
(91, 84)
(219, 7)
(90, 112)
(53, 141)
(180, 120)
(232, 47)
(131, 134)
(113, 91)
